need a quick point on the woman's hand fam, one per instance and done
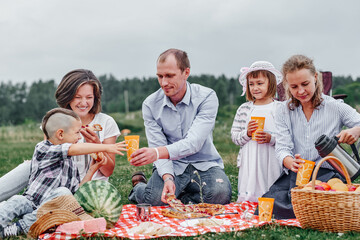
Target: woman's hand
(252, 126)
(293, 164)
(90, 136)
(349, 136)
(262, 137)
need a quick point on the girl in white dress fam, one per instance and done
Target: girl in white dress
(258, 167)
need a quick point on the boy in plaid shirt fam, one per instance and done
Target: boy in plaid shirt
(53, 173)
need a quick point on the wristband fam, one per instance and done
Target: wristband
(157, 153)
(169, 179)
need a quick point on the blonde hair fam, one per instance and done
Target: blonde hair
(296, 63)
(271, 91)
(58, 118)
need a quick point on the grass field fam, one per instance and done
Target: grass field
(17, 144)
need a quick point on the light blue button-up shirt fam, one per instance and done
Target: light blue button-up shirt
(297, 135)
(185, 129)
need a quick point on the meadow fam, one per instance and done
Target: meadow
(17, 144)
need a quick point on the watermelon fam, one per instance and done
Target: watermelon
(100, 199)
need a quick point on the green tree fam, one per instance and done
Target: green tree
(40, 99)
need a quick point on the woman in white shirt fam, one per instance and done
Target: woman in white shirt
(80, 91)
(300, 120)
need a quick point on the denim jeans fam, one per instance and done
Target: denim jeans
(19, 206)
(15, 181)
(215, 185)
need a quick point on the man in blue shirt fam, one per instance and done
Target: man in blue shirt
(179, 119)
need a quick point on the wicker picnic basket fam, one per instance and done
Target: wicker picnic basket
(327, 210)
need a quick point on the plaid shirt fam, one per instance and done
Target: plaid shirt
(51, 167)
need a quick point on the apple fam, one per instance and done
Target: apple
(319, 187)
(351, 188)
(326, 186)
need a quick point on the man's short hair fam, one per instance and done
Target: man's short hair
(58, 118)
(181, 57)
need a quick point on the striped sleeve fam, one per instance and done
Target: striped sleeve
(284, 145)
(239, 129)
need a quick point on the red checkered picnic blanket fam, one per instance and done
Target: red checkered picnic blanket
(232, 222)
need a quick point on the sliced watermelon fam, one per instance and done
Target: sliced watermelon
(100, 199)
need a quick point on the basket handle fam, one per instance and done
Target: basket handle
(314, 175)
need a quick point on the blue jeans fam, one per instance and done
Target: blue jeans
(216, 187)
(15, 181)
(19, 206)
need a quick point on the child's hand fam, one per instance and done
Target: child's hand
(117, 148)
(102, 162)
(252, 126)
(262, 137)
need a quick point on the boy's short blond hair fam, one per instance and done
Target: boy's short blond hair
(58, 118)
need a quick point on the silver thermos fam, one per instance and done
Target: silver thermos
(327, 146)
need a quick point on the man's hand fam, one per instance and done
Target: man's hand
(143, 156)
(349, 136)
(169, 186)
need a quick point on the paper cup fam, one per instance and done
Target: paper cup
(261, 122)
(143, 212)
(132, 142)
(265, 208)
(304, 174)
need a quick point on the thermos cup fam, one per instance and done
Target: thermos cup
(327, 146)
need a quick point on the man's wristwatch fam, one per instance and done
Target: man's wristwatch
(168, 179)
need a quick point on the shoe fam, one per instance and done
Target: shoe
(138, 177)
(11, 230)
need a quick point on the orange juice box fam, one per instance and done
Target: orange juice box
(304, 174)
(132, 142)
(261, 122)
(266, 206)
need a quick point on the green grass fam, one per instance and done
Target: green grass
(17, 144)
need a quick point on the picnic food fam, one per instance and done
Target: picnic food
(332, 181)
(334, 184)
(99, 155)
(340, 187)
(89, 226)
(96, 127)
(180, 210)
(100, 199)
(150, 229)
(209, 222)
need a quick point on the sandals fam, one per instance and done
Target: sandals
(138, 177)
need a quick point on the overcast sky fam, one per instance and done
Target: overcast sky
(45, 39)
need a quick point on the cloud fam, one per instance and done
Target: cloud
(46, 39)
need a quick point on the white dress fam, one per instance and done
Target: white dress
(110, 129)
(258, 168)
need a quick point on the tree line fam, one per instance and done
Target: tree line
(20, 102)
